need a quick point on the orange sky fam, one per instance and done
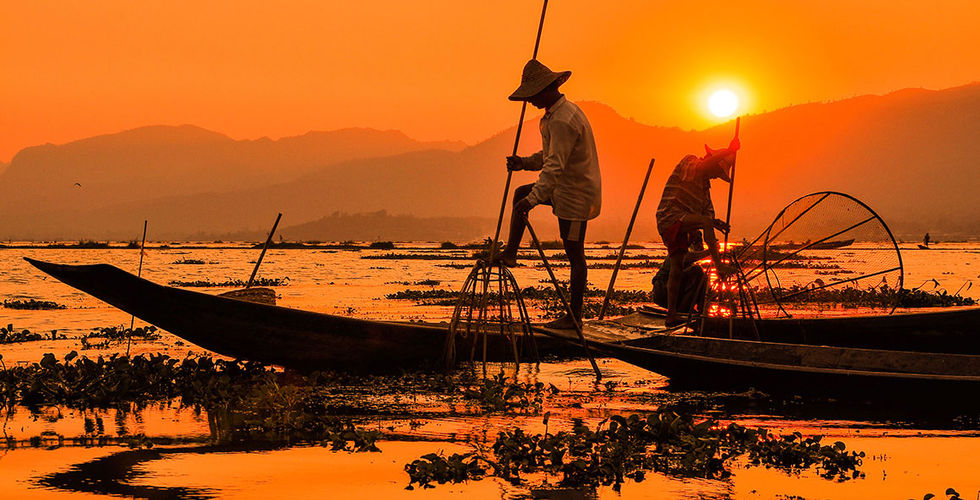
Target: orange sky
(442, 69)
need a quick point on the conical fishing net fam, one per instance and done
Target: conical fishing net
(825, 253)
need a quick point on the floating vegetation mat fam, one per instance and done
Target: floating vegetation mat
(630, 447)
(542, 298)
(10, 336)
(236, 283)
(32, 304)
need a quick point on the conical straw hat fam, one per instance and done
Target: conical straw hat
(535, 78)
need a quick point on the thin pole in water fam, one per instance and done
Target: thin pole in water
(264, 248)
(626, 239)
(139, 272)
(564, 301)
(517, 142)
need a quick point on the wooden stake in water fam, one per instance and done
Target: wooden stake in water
(139, 272)
(564, 301)
(626, 240)
(264, 248)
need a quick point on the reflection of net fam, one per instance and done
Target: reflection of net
(824, 251)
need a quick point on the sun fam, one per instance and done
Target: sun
(723, 103)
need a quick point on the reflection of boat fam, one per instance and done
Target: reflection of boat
(712, 362)
(278, 335)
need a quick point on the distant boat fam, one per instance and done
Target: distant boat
(923, 247)
(823, 245)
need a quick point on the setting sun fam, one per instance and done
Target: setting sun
(723, 103)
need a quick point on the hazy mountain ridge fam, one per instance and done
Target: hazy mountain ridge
(911, 154)
(162, 161)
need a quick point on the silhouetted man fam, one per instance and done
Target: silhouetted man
(685, 206)
(569, 181)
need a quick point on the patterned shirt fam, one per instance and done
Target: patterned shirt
(687, 192)
(568, 163)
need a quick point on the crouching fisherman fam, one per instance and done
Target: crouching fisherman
(569, 179)
(693, 280)
(685, 207)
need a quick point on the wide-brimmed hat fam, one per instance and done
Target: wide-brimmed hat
(719, 171)
(537, 77)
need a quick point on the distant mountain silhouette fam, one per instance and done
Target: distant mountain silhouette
(912, 155)
(155, 162)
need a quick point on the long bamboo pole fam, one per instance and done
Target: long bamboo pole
(517, 141)
(139, 272)
(564, 301)
(626, 239)
(264, 248)
(731, 189)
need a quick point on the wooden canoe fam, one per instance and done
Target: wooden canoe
(953, 330)
(287, 337)
(707, 362)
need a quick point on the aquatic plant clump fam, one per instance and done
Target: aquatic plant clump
(244, 401)
(630, 447)
(32, 304)
(10, 336)
(236, 283)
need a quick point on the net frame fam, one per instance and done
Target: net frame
(770, 257)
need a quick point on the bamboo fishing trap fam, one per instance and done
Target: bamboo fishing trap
(825, 253)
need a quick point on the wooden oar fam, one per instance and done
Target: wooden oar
(517, 141)
(264, 248)
(564, 301)
(626, 239)
(139, 272)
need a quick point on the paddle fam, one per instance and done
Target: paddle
(139, 272)
(517, 141)
(264, 248)
(564, 301)
(626, 239)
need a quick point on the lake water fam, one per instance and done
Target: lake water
(908, 454)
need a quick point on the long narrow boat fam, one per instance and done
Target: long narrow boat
(308, 340)
(287, 337)
(707, 362)
(951, 330)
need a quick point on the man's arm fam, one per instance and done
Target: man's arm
(534, 162)
(563, 138)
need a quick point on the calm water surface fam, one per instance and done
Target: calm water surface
(909, 453)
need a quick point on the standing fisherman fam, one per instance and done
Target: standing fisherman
(569, 181)
(686, 207)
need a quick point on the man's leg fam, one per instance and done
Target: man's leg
(573, 238)
(674, 285)
(517, 225)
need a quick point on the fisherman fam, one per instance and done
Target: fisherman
(925, 240)
(693, 279)
(569, 181)
(685, 206)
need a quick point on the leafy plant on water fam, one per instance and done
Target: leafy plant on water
(8, 335)
(497, 394)
(230, 283)
(622, 448)
(110, 335)
(244, 401)
(32, 304)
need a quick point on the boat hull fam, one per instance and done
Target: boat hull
(287, 337)
(954, 330)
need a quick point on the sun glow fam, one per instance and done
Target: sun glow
(723, 103)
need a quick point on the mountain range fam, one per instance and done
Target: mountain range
(912, 155)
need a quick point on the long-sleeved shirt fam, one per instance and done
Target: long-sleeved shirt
(568, 163)
(687, 192)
